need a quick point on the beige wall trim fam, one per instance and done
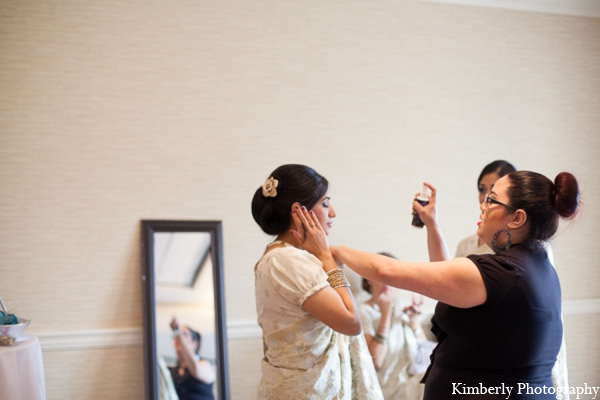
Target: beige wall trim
(582, 8)
(578, 307)
(90, 339)
(243, 330)
(103, 338)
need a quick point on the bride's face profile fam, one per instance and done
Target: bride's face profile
(324, 212)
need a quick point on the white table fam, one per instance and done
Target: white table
(22, 370)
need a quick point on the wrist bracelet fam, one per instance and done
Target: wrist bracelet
(336, 279)
(379, 338)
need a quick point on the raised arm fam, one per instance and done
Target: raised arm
(436, 244)
(336, 309)
(378, 346)
(456, 282)
(202, 370)
(205, 371)
(334, 306)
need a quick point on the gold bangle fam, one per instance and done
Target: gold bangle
(334, 275)
(336, 279)
(343, 284)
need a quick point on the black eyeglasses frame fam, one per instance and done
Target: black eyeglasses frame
(490, 200)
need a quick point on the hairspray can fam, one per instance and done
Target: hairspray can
(423, 199)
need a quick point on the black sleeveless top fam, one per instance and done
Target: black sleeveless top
(509, 343)
(190, 388)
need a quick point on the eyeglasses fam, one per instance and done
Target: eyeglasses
(490, 200)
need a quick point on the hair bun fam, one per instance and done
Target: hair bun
(265, 214)
(566, 195)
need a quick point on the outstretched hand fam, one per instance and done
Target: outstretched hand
(385, 302)
(428, 213)
(414, 311)
(309, 233)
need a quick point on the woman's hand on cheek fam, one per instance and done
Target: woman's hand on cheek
(313, 239)
(299, 233)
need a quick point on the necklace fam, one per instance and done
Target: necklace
(283, 242)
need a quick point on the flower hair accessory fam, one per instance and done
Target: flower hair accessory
(269, 188)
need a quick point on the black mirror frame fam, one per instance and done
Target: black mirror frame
(149, 227)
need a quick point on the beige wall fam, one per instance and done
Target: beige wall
(117, 111)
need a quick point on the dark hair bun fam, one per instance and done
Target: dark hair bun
(295, 183)
(566, 195)
(266, 215)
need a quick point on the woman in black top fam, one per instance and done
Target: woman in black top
(193, 377)
(498, 320)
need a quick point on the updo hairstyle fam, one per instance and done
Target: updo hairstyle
(499, 167)
(296, 183)
(544, 201)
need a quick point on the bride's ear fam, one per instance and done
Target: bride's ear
(296, 204)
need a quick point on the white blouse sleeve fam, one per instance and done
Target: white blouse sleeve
(297, 275)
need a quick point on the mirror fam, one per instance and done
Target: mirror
(182, 277)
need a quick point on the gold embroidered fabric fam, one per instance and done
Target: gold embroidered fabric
(303, 357)
(309, 360)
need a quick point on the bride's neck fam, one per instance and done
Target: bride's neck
(287, 237)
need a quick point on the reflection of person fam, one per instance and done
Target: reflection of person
(495, 170)
(396, 341)
(499, 315)
(475, 245)
(193, 377)
(310, 322)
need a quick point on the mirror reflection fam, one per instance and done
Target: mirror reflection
(186, 357)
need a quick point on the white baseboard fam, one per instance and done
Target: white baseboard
(107, 338)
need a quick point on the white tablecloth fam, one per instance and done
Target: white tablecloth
(22, 370)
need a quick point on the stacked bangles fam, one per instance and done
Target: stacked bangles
(336, 279)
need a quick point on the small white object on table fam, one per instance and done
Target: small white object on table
(22, 370)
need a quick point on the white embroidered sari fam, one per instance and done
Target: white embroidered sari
(304, 358)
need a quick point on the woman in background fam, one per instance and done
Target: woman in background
(475, 245)
(396, 340)
(311, 327)
(495, 170)
(193, 376)
(498, 315)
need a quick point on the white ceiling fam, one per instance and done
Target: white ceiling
(583, 8)
(179, 256)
